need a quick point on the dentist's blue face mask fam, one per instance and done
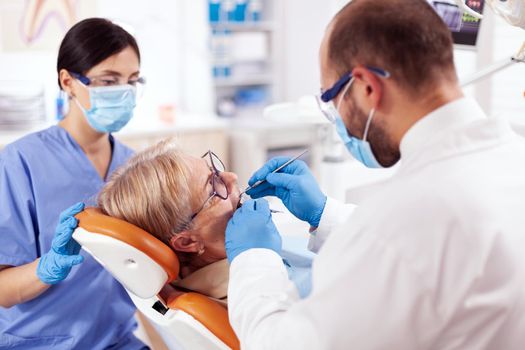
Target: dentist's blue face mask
(111, 107)
(360, 149)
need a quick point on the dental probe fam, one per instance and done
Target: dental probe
(276, 170)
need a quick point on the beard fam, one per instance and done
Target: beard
(385, 150)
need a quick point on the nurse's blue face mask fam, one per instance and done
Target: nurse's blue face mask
(360, 149)
(111, 106)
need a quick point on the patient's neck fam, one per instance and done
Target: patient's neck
(196, 262)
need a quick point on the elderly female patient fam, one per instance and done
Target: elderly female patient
(185, 202)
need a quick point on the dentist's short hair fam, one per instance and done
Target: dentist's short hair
(405, 37)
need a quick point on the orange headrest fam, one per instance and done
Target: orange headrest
(93, 220)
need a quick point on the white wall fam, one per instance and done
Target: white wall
(173, 38)
(155, 25)
(304, 25)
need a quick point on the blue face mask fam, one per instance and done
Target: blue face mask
(360, 149)
(111, 107)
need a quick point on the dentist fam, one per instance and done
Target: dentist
(53, 296)
(432, 260)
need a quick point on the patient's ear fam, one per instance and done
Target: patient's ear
(186, 241)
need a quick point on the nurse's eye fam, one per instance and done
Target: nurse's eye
(109, 82)
(104, 81)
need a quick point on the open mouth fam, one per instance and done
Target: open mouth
(239, 203)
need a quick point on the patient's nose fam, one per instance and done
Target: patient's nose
(230, 179)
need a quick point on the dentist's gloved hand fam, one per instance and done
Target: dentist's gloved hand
(294, 185)
(55, 265)
(252, 227)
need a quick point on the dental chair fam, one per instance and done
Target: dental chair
(145, 266)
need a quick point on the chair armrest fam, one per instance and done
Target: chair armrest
(208, 312)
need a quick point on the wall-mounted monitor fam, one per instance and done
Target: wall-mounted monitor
(464, 27)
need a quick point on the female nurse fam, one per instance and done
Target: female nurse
(53, 295)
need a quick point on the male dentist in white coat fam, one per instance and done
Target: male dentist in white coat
(436, 258)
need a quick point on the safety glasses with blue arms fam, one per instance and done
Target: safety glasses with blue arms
(106, 80)
(325, 99)
(109, 81)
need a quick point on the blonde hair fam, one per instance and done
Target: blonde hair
(151, 191)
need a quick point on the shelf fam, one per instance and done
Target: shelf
(243, 81)
(244, 26)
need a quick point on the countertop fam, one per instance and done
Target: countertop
(184, 124)
(138, 129)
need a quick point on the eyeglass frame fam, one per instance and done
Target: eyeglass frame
(88, 81)
(214, 175)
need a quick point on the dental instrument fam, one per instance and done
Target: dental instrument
(276, 170)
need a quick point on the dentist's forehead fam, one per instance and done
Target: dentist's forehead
(328, 74)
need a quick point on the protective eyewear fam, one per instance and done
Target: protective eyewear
(325, 99)
(111, 80)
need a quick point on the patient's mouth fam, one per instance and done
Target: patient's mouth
(239, 204)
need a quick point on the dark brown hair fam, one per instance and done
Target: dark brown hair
(405, 37)
(90, 42)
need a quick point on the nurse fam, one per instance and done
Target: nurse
(434, 257)
(53, 295)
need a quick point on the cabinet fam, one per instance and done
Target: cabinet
(245, 51)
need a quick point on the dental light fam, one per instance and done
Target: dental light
(512, 10)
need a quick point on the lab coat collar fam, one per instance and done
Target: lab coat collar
(440, 121)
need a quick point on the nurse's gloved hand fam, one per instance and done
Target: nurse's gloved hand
(252, 227)
(294, 185)
(55, 265)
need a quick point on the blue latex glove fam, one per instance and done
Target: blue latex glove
(55, 265)
(252, 227)
(294, 185)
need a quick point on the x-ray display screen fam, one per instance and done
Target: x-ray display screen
(464, 27)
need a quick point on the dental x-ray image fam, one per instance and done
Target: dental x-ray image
(464, 27)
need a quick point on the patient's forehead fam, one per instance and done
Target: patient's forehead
(199, 172)
(199, 166)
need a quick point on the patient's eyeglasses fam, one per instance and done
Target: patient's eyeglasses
(219, 188)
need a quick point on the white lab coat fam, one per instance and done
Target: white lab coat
(433, 260)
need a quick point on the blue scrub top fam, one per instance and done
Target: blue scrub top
(41, 175)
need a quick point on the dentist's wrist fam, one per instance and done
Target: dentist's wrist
(316, 218)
